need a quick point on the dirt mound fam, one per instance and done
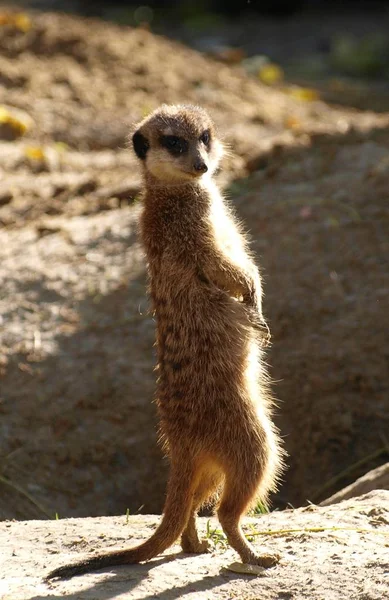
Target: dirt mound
(76, 343)
(337, 552)
(81, 83)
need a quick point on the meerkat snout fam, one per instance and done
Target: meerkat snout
(200, 166)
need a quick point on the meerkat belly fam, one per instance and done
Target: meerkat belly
(207, 362)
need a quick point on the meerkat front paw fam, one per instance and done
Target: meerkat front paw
(264, 328)
(259, 323)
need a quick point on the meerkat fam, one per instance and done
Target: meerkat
(213, 394)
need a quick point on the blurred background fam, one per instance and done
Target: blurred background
(311, 39)
(300, 95)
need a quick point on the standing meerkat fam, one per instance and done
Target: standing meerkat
(213, 396)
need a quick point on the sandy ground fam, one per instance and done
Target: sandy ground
(347, 558)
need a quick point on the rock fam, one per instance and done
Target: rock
(333, 552)
(377, 479)
(5, 197)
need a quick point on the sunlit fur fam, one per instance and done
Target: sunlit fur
(212, 389)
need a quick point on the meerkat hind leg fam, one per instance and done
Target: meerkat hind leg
(190, 540)
(237, 496)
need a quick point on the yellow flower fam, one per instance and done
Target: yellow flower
(22, 22)
(35, 153)
(17, 126)
(270, 74)
(305, 94)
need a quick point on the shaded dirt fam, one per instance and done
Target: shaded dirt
(77, 428)
(331, 553)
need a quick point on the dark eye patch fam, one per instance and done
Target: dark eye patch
(140, 144)
(205, 137)
(174, 144)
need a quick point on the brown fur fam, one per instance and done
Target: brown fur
(213, 396)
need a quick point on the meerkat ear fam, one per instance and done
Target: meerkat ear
(140, 144)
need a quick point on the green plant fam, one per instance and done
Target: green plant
(261, 508)
(216, 536)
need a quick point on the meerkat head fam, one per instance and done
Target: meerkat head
(177, 144)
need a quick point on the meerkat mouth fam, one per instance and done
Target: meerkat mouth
(194, 174)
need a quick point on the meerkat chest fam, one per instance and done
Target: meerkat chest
(225, 232)
(174, 222)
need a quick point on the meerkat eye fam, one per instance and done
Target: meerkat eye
(171, 141)
(174, 144)
(205, 138)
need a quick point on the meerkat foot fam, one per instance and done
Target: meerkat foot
(194, 546)
(266, 559)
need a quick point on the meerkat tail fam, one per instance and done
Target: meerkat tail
(176, 515)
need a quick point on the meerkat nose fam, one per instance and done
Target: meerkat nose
(200, 166)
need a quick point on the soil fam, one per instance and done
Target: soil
(310, 181)
(331, 553)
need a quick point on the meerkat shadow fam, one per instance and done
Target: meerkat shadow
(125, 578)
